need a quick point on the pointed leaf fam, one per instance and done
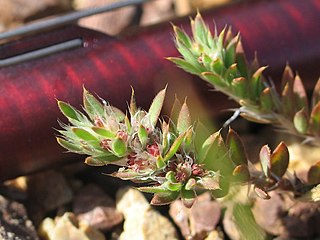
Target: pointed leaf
(94, 162)
(186, 66)
(239, 86)
(314, 174)
(301, 121)
(315, 119)
(69, 145)
(242, 61)
(300, 94)
(236, 149)
(133, 105)
(280, 160)
(214, 79)
(214, 155)
(70, 112)
(174, 147)
(246, 224)
(199, 30)
(104, 132)
(156, 106)
(92, 106)
(143, 135)
(265, 160)
(231, 52)
(175, 110)
(181, 36)
(257, 81)
(266, 100)
(153, 189)
(184, 119)
(287, 77)
(165, 136)
(316, 93)
(160, 163)
(83, 134)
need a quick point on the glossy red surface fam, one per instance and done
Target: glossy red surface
(280, 30)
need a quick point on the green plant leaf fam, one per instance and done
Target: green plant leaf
(265, 160)
(301, 121)
(213, 78)
(92, 106)
(230, 56)
(156, 106)
(104, 132)
(69, 145)
(316, 93)
(266, 100)
(184, 119)
(246, 224)
(186, 66)
(241, 61)
(173, 186)
(236, 149)
(315, 119)
(300, 94)
(154, 189)
(314, 174)
(257, 85)
(214, 155)
(84, 134)
(239, 86)
(181, 36)
(143, 135)
(119, 147)
(279, 160)
(70, 112)
(199, 29)
(174, 147)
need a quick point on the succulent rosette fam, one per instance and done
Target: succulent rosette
(167, 157)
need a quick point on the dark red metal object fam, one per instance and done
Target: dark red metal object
(280, 30)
